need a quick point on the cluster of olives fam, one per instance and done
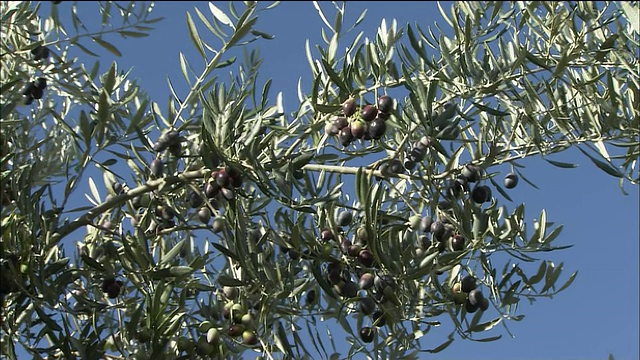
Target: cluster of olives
(171, 140)
(34, 90)
(111, 287)
(223, 181)
(221, 185)
(442, 231)
(239, 323)
(480, 193)
(371, 125)
(377, 287)
(411, 158)
(416, 154)
(163, 215)
(466, 292)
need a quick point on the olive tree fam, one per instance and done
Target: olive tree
(220, 224)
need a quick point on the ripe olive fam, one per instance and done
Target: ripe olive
(157, 167)
(172, 137)
(366, 334)
(235, 330)
(40, 52)
(368, 113)
(195, 200)
(365, 257)
(222, 178)
(29, 89)
(459, 186)
(117, 188)
(349, 107)
(114, 289)
(218, 225)
(347, 289)
(409, 164)
(383, 115)
(344, 218)
(481, 194)
(367, 305)
(484, 304)
(106, 283)
(37, 93)
(310, 297)
(354, 250)
(385, 104)
(340, 122)
(424, 242)
(334, 276)
(475, 297)
(366, 281)
(377, 128)
(468, 283)
(40, 83)
(379, 318)
(204, 215)
(396, 166)
(471, 173)
(211, 189)
(166, 213)
(326, 234)
(345, 244)
(471, 308)
(345, 136)
(510, 180)
(425, 223)
(367, 134)
(437, 229)
(228, 194)
(457, 243)
(416, 154)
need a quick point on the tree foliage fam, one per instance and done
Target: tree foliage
(304, 217)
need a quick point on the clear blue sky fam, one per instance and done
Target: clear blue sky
(596, 316)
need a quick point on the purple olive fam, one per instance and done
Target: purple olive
(368, 113)
(385, 104)
(377, 128)
(349, 107)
